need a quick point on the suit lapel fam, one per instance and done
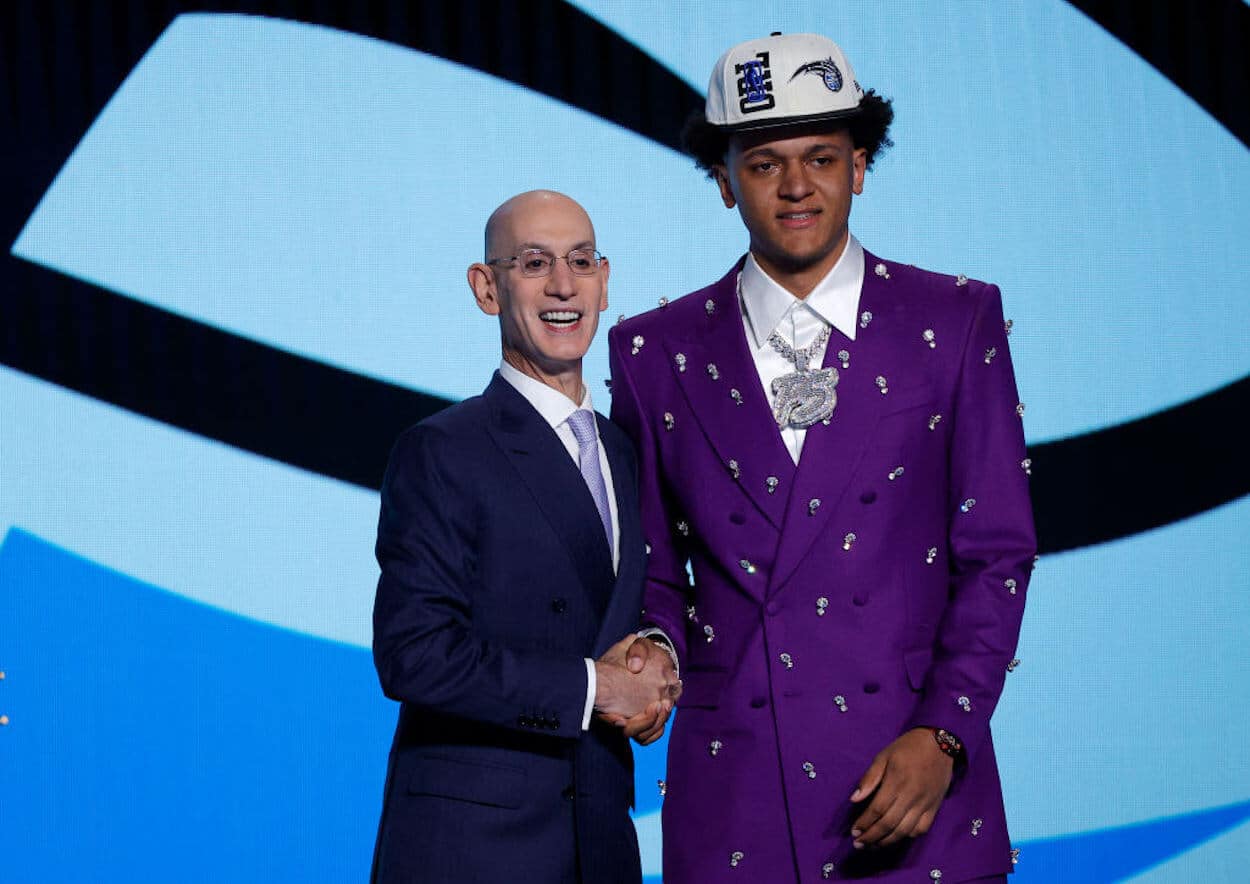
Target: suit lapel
(555, 483)
(831, 454)
(743, 429)
(622, 614)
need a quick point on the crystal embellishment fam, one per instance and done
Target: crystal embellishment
(786, 660)
(840, 702)
(826, 871)
(771, 482)
(882, 384)
(710, 306)
(935, 874)
(961, 280)
(1007, 326)
(848, 540)
(865, 318)
(844, 356)
(930, 555)
(965, 704)
(813, 505)
(1019, 409)
(669, 423)
(976, 826)
(1013, 665)
(809, 769)
(663, 302)
(882, 271)
(638, 341)
(934, 420)
(967, 505)
(735, 858)
(1010, 585)
(735, 396)
(680, 359)
(990, 353)
(745, 565)
(683, 528)
(930, 338)
(734, 470)
(709, 632)
(894, 473)
(822, 605)
(620, 319)
(714, 747)
(1015, 856)
(662, 786)
(713, 372)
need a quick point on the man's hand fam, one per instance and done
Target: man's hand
(636, 687)
(906, 782)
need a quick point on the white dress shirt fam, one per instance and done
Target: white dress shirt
(556, 408)
(767, 307)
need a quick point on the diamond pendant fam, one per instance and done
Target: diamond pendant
(805, 397)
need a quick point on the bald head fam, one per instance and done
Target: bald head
(508, 227)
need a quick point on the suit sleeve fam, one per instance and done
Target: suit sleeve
(425, 647)
(665, 594)
(991, 538)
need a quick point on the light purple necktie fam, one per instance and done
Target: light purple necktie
(582, 423)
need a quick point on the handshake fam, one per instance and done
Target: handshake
(636, 686)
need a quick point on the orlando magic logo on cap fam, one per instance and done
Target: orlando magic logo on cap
(826, 70)
(781, 80)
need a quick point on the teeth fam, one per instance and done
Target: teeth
(560, 316)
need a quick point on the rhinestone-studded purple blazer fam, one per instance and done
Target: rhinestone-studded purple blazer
(877, 586)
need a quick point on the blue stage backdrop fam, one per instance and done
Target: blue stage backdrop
(235, 237)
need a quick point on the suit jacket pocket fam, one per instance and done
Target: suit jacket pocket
(917, 663)
(913, 396)
(702, 688)
(496, 785)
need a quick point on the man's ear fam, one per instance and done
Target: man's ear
(721, 173)
(605, 269)
(859, 166)
(485, 291)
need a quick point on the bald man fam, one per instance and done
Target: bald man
(512, 567)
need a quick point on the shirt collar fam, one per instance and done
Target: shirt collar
(554, 407)
(835, 299)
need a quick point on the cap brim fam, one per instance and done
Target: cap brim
(791, 122)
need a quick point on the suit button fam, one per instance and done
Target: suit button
(738, 518)
(773, 608)
(567, 793)
(558, 605)
(759, 702)
(868, 497)
(871, 687)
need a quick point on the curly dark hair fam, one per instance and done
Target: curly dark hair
(869, 129)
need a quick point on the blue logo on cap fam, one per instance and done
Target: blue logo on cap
(755, 84)
(825, 69)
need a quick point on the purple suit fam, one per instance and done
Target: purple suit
(863, 594)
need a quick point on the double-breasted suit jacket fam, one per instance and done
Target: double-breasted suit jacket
(829, 607)
(496, 583)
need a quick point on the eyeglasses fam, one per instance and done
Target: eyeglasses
(538, 262)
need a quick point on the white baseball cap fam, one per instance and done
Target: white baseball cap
(781, 80)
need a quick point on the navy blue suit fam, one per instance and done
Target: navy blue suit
(496, 583)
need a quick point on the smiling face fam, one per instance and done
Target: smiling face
(793, 192)
(547, 323)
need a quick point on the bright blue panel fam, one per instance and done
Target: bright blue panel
(159, 740)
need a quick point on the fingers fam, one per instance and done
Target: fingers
(871, 779)
(653, 733)
(639, 654)
(643, 721)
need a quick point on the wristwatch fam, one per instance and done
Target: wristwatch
(948, 742)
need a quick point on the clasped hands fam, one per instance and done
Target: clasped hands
(636, 686)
